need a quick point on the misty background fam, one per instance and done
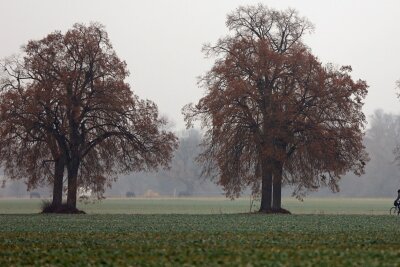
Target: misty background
(161, 42)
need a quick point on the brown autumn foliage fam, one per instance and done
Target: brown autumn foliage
(274, 114)
(67, 99)
(26, 150)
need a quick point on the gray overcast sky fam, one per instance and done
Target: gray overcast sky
(161, 40)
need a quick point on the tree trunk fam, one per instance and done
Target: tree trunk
(73, 168)
(277, 187)
(75, 140)
(266, 187)
(58, 181)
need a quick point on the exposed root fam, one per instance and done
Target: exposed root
(275, 211)
(62, 209)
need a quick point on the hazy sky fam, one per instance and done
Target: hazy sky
(161, 40)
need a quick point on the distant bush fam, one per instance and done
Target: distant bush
(130, 194)
(184, 194)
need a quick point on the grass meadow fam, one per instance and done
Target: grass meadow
(201, 232)
(211, 205)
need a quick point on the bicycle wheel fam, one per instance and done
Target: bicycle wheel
(393, 211)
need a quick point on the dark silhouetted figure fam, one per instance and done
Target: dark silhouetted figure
(397, 201)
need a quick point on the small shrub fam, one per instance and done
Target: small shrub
(45, 206)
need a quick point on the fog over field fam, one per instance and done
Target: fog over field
(161, 43)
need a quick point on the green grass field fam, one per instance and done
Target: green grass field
(369, 206)
(201, 232)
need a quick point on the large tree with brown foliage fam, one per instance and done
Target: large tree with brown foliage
(72, 98)
(273, 113)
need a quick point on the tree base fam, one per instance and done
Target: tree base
(62, 209)
(275, 211)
